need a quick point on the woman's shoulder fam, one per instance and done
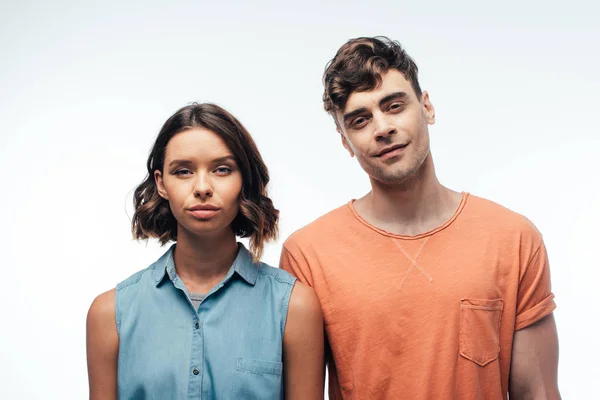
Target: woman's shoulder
(135, 278)
(102, 311)
(277, 274)
(152, 273)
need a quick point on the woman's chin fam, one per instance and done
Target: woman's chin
(208, 229)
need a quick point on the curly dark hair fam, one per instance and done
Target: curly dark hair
(257, 218)
(358, 66)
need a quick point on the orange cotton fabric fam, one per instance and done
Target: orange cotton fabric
(423, 317)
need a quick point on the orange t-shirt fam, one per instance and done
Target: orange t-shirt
(430, 316)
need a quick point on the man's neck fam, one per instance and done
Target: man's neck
(201, 262)
(416, 206)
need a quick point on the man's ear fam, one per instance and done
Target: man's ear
(160, 187)
(345, 142)
(428, 109)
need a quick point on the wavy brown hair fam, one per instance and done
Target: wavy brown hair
(257, 218)
(358, 66)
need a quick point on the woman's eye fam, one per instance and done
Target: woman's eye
(182, 172)
(223, 170)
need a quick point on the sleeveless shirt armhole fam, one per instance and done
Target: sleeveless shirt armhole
(285, 305)
(117, 312)
(132, 280)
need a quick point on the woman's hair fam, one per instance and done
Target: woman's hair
(257, 218)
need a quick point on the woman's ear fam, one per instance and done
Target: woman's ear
(160, 186)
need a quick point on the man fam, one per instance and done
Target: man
(427, 293)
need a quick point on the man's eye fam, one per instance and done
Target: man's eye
(358, 122)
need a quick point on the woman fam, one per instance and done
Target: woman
(207, 319)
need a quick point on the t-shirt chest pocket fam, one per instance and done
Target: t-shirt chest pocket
(480, 329)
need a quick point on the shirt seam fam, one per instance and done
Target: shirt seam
(546, 306)
(285, 306)
(535, 253)
(442, 227)
(277, 277)
(117, 313)
(128, 282)
(322, 301)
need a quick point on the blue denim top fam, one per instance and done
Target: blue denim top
(229, 348)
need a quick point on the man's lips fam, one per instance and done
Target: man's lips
(390, 149)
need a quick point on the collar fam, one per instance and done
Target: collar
(243, 265)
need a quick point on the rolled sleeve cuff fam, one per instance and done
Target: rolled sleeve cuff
(537, 312)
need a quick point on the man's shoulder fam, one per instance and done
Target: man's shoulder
(322, 228)
(501, 219)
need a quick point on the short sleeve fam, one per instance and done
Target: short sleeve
(293, 261)
(535, 298)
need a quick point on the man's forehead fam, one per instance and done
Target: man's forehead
(391, 81)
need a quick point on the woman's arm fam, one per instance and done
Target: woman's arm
(303, 361)
(102, 347)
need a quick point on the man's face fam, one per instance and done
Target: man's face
(386, 129)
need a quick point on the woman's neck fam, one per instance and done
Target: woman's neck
(202, 262)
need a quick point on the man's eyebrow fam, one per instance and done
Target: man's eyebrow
(392, 96)
(386, 99)
(354, 113)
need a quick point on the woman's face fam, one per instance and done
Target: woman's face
(202, 182)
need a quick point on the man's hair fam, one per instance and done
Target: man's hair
(257, 218)
(358, 66)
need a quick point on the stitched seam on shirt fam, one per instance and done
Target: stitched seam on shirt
(414, 260)
(405, 276)
(256, 372)
(292, 256)
(125, 284)
(535, 253)
(324, 305)
(259, 373)
(276, 277)
(484, 308)
(117, 313)
(285, 306)
(128, 282)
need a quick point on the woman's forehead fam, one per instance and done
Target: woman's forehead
(197, 143)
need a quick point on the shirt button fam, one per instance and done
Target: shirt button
(197, 325)
(196, 371)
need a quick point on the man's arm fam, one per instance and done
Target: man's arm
(534, 366)
(297, 265)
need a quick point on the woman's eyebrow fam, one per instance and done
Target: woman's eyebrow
(224, 158)
(180, 162)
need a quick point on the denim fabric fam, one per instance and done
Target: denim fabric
(229, 348)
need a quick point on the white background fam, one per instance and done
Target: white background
(85, 87)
